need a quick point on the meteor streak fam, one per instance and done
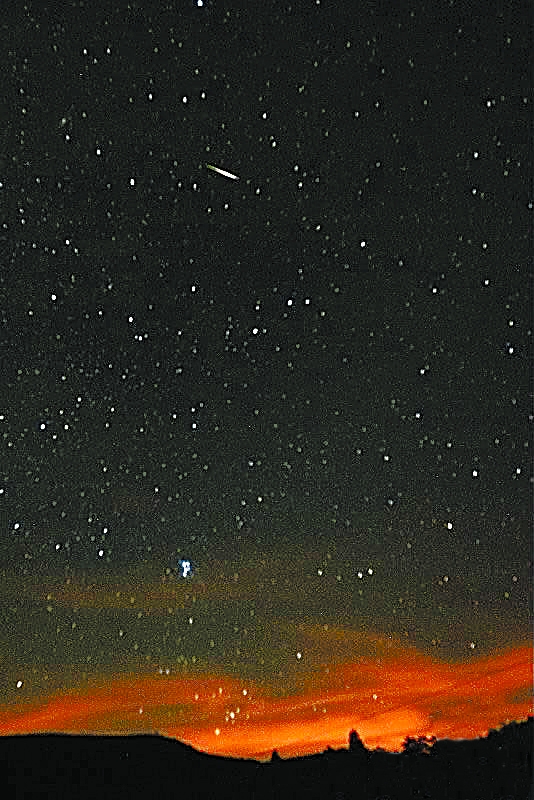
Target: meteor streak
(223, 172)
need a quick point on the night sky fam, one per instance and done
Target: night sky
(265, 464)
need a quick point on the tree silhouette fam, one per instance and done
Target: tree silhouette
(418, 745)
(355, 743)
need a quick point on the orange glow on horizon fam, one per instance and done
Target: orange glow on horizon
(405, 693)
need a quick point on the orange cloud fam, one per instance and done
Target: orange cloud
(397, 692)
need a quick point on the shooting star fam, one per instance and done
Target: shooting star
(223, 172)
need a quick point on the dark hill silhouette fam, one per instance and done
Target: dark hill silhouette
(497, 767)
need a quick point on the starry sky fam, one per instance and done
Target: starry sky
(265, 439)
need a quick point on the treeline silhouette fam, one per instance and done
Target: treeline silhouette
(496, 767)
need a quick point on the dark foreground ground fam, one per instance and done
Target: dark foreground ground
(498, 767)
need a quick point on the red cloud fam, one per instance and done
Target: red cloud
(386, 698)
